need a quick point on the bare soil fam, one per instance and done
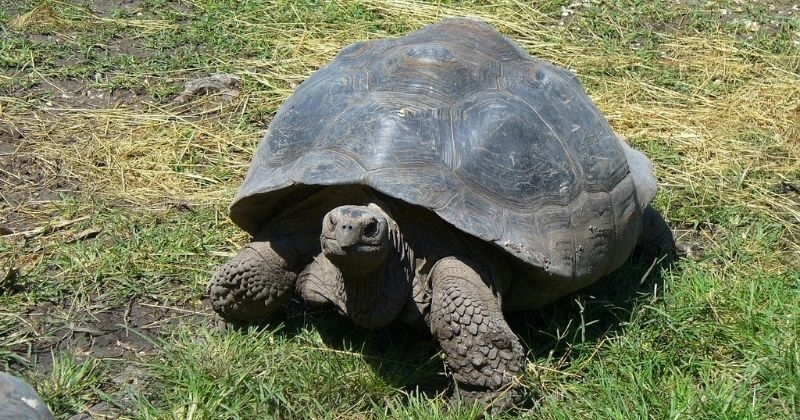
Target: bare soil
(120, 333)
(28, 183)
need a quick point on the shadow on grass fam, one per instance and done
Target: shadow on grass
(405, 357)
(409, 359)
(592, 313)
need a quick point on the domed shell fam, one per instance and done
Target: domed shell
(458, 119)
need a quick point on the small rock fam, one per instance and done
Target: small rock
(752, 26)
(18, 400)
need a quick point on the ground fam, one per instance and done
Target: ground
(113, 211)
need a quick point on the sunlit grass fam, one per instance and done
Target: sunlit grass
(134, 189)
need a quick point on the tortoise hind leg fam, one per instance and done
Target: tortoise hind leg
(483, 353)
(253, 285)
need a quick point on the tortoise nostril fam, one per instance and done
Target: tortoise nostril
(371, 228)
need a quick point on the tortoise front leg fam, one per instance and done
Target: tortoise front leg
(482, 351)
(253, 285)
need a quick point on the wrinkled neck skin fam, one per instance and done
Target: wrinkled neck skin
(374, 298)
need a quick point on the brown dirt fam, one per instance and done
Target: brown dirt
(121, 332)
(29, 183)
(76, 95)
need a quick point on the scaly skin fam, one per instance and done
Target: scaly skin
(366, 268)
(253, 285)
(482, 351)
(360, 268)
(459, 299)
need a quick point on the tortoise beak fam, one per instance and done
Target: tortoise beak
(348, 234)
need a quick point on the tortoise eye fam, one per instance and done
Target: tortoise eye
(331, 222)
(371, 228)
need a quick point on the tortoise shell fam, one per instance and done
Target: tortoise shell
(458, 119)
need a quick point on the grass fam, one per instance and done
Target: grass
(114, 212)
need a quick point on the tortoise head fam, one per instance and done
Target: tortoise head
(356, 238)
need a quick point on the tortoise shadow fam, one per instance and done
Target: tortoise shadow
(409, 359)
(404, 357)
(600, 309)
(595, 312)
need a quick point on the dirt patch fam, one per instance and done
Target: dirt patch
(54, 95)
(118, 332)
(29, 183)
(109, 8)
(28, 178)
(118, 335)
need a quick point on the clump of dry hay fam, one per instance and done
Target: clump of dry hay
(42, 16)
(738, 143)
(734, 126)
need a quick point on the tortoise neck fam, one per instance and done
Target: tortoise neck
(375, 298)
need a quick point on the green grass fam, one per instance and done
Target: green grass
(73, 383)
(116, 199)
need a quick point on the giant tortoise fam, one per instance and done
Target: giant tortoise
(438, 179)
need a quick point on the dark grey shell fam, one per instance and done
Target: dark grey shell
(19, 401)
(460, 120)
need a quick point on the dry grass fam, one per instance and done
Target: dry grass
(728, 93)
(40, 17)
(139, 156)
(714, 132)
